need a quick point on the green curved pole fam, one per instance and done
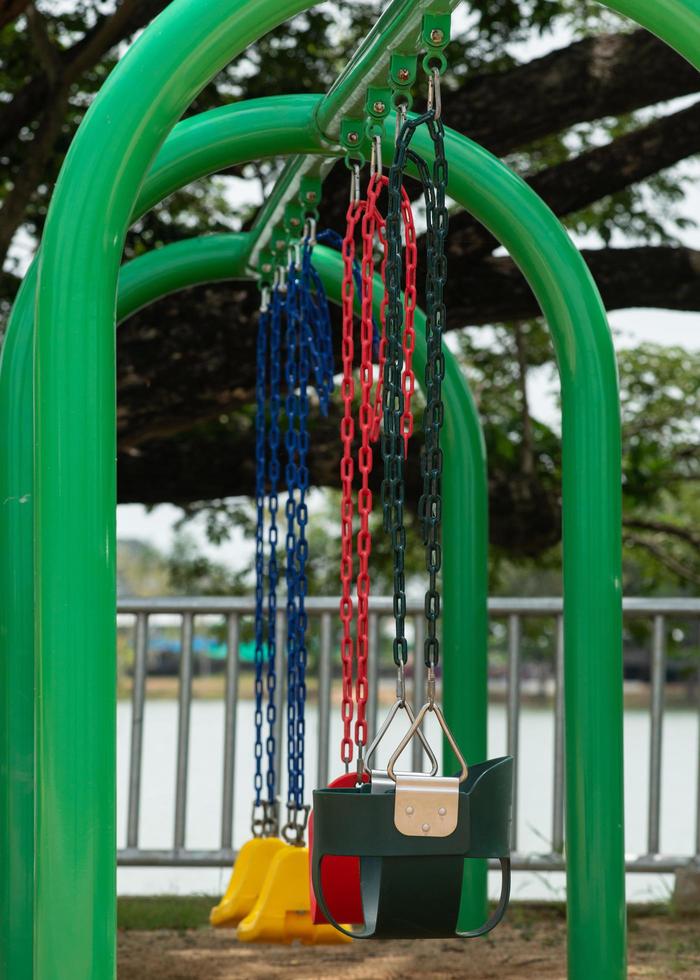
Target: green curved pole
(691, 24)
(591, 548)
(17, 642)
(75, 451)
(465, 550)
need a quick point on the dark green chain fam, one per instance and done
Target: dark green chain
(393, 400)
(430, 504)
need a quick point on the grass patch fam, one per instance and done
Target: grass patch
(164, 911)
(192, 912)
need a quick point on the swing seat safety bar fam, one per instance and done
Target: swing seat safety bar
(412, 886)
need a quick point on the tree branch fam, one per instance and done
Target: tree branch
(578, 183)
(10, 10)
(527, 453)
(494, 290)
(668, 561)
(606, 75)
(28, 176)
(48, 55)
(109, 29)
(664, 527)
(211, 331)
(165, 470)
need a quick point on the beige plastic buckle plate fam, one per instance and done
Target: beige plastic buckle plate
(426, 806)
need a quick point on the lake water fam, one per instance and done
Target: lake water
(680, 765)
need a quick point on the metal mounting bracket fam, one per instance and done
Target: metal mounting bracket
(426, 806)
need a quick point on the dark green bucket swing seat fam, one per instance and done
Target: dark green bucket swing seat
(412, 837)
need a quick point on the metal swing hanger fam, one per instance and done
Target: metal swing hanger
(400, 704)
(430, 705)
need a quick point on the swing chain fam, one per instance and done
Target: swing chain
(393, 401)
(434, 95)
(291, 442)
(430, 503)
(375, 164)
(272, 572)
(261, 352)
(264, 819)
(294, 830)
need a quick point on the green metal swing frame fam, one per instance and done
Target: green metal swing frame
(57, 473)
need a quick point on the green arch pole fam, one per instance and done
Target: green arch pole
(222, 257)
(465, 625)
(465, 494)
(678, 6)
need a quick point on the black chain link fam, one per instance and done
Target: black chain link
(392, 495)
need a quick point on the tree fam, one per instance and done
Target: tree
(597, 126)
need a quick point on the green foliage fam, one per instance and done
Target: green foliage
(659, 386)
(192, 573)
(305, 55)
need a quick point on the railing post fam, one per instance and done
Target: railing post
(138, 695)
(230, 720)
(281, 670)
(183, 730)
(658, 678)
(324, 700)
(417, 751)
(558, 787)
(513, 712)
(373, 675)
(697, 805)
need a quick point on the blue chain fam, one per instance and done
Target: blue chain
(273, 476)
(302, 517)
(261, 352)
(309, 347)
(315, 320)
(264, 821)
(291, 442)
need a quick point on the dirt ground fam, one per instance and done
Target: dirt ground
(526, 946)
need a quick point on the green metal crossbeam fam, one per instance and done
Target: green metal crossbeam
(399, 30)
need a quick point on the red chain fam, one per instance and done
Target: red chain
(370, 221)
(408, 379)
(347, 432)
(370, 415)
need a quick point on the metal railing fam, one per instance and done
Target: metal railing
(515, 614)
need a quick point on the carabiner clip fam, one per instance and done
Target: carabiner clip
(310, 231)
(354, 183)
(401, 114)
(375, 163)
(434, 97)
(295, 827)
(282, 279)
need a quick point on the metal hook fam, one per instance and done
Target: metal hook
(434, 96)
(354, 183)
(282, 279)
(415, 729)
(401, 114)
(375, 165)
(310, 226)
(401, 704)
(293, 830)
